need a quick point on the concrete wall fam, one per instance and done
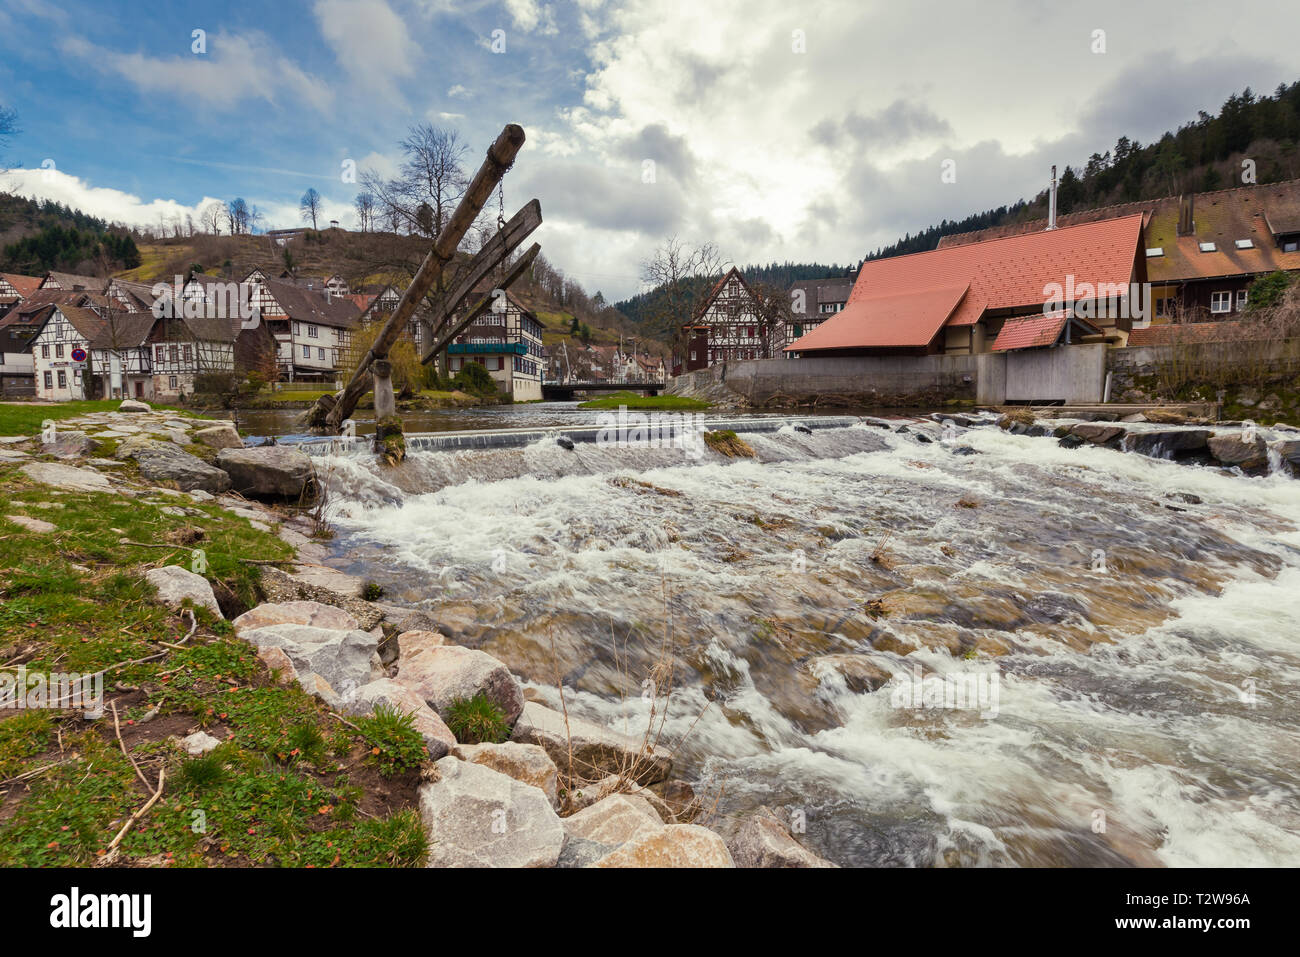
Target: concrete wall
(1074, 374)
(884, 380)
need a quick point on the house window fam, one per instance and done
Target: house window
(186, 353)
(798, 330)
(312, 331)
(692, 355)
(160, 353)
(174, 352)
(171, 382)
(306, 352)
(63, 379)
(1220, 302)
(45, 352)
(58, 350)
(320, 353)
(49, 380)
(1290, 246)
(1241, 299)
(297, 328)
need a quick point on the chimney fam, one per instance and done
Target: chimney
(1051, 202)
(1187, 214)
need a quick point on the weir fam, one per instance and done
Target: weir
(518, 438)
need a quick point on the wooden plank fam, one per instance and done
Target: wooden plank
(500, 156)
(454, 328)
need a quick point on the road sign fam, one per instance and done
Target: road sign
(78, 355)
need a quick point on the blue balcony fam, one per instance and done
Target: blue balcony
(487, 348)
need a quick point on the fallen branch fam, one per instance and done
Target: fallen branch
(112, 847)
(117, 730)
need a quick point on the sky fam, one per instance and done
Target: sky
(775, 129)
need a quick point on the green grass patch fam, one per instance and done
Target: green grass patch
(395, 744)
(25, 418)
(477, 720)
(674, 403)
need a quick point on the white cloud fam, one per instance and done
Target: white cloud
(235, 68)
(113, 205)
(371, 42)
(530, 15)
(456, 91)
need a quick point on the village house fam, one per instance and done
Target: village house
(60, 352)
(507, 341)
(727, 326)
(812, 301)
(182, 348)
(15, 288)
(1202, 250)
(1054, 286)
(120, 361)
(313, 329)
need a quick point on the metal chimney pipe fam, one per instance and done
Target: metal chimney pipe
(1051, 202)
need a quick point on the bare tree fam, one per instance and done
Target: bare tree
(365, 207)
(309, 206)
(212, 216)
(432, 175)
(237, 216)
(677, 271)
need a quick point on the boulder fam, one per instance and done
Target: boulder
(67, 477)
(175, 584)
(413, 643)
(296, 613)
(219, 437)
(437, 736)
(200, 742)
(1071, 441)
(1237, 451)
(597, 751)
(674, 845)
(276, 660)
(339, 658)
(1289, 452)
(166, 462)
(39, 526)
(763, 840)
(614, 821)
(1168, 443)
(860, 674)
(69, 445)
(133, 405)
(1098, 434)
(579, 852)
(478, 817)
(270, 471)
(523, 762)
(443, 674)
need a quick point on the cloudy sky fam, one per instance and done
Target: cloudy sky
(776, 129)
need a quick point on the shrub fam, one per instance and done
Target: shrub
(395, 744)
(477, 720)
(475, 379)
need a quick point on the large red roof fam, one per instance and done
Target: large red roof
(901, 294)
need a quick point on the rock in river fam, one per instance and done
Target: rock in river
(268, 471)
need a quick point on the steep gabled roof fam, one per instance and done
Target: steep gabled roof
(87, 323)
(718, 287)
(71, 282)
(1257, 213)
(123, 331)
(307, 305)
(904, 301)
(1031, 332)
(26, 285)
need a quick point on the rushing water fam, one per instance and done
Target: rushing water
(1145, 652)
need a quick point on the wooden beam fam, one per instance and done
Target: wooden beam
(454, 328)
(500, 156)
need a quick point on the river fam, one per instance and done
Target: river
(1138, 655)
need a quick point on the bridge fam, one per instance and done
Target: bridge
(563, 391)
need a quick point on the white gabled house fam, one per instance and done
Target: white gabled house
(183, 348)
(312, 330)
(68, 330)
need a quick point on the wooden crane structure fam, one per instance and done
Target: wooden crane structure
(374, 371)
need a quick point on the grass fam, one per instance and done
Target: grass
(726, 442)
(477, 720)
(25, 418)
(630, 400)
(395, 744)
(285, 785)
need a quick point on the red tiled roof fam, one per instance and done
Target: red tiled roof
(1257, 213)
(907, 320)
(26, 285)
(1029, 332)
(1170, 333)
(896, 301)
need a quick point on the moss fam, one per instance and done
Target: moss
(725, 442)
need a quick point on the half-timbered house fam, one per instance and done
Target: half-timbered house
(728, 325)
(183, 348)
(65, 334)
(507, 341)
(14, 288)
(312, 330)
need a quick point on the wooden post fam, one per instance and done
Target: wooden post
(499, 158)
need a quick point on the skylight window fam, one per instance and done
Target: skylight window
(1245, 244)
(1154, 251)
(1208, 247)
